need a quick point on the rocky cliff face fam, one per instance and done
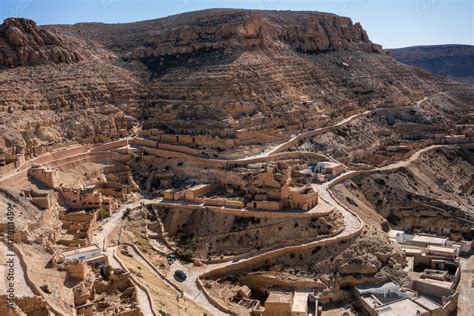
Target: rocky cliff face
(71, 93)
(213, 73)
(453, 61)
(226, 70)
(304, 32)
(227, 28)
(23, 43)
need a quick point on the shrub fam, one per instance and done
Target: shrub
(45, 288)
(103, 213)
(126, 214)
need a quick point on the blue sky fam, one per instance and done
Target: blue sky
(392, 23)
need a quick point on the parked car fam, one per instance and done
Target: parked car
(180, 275)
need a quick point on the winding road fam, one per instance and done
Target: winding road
(100, 238)
(352, 223)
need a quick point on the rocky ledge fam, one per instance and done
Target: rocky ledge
(23, 43)
(306, 32)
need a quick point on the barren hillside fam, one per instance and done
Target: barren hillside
(452, 61)
(220, 152)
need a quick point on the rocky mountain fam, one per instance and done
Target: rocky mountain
(23, 43)
(453, 61)
(231, 112)
(253, 69)
(212, 72)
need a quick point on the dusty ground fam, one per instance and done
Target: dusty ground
(135, 232)
(432, 191)
(87, 173)
(40, 272)
(466, 287)
(165, 298)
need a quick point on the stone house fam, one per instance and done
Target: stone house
(45, 175)
(273, 189)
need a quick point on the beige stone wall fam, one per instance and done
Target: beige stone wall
(223, 202)
(77, 271)
(267, 281)
(267, 205)
(277, 309)
(193, 193)
(44, 175)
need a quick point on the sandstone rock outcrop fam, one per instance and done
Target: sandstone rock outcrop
(232, 29)
(23, 43)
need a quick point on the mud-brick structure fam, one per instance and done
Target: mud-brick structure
(87, 199)
(273, 190)
(45, 175)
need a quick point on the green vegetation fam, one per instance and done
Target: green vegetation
(186, 248)
(126, 213)
(103, 213)
(126, 253)
(332, 115)
(45, 288)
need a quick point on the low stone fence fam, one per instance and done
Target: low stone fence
(161, 274)
(267, 214)
(249, 263)
(260, 280)
(244, 212)
(111, 145)
(183, 149)
(214, 301)
(34, 288)
(138, 283)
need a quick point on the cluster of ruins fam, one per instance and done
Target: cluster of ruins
(269, 190)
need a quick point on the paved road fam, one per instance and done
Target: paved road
(189, 287)
(111, 223)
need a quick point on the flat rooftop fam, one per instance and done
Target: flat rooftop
(427, 303)
(376, 288)
(427, 239)
(80, 250)
(438, 283)
(198, 187)
(410, 250)
(279, 297)
(448, 250)
(403, 307)
(392, 233)
(300, 302)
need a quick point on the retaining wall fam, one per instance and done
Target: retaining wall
(211, 162)
(34, 288)
(161, 274)
(137, 283)
(247, 264)
(214, 301)
(111, 145)
(244, 213)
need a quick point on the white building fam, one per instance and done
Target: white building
(83, 253)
